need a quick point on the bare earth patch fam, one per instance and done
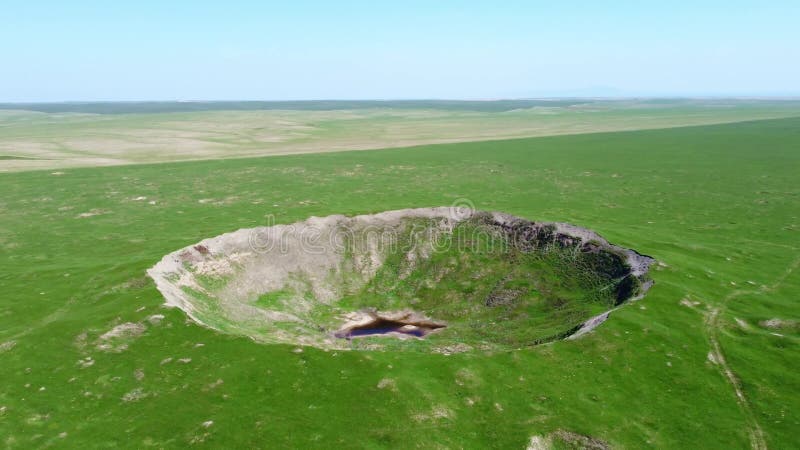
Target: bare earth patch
(780, 323)
(6, 346)
(91, 213)
(566, 439)
(117, 339)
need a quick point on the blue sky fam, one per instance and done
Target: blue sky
(260, 50)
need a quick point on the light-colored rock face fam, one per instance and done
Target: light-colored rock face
(280, 283)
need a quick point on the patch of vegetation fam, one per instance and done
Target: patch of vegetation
(274, 299)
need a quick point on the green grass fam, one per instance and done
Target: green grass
(274, 299)
(718, 205)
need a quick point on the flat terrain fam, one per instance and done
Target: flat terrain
(55, 136)
(708, 359)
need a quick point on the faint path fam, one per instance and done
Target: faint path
(757, 441)
(712, 324)
(59, 312)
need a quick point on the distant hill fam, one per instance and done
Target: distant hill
(304, 105)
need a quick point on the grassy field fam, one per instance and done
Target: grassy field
(692, 365)
(56, 136)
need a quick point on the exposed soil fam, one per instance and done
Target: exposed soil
(780, 324)
(566, 439)
(402, 324)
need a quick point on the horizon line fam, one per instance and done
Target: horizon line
(442, 99)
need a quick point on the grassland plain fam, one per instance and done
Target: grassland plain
(718, 206)
(64, 135)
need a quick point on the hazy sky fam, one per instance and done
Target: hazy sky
(260, 50)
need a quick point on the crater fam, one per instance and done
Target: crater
(422, 279)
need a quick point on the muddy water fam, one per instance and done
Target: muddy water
(381, 326)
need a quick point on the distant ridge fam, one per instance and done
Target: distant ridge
(303, 105)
